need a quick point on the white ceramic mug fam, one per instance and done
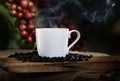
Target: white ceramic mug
(53, 42)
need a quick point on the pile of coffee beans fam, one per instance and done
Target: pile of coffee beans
(34, 57)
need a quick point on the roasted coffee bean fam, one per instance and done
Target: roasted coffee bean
(34, 57)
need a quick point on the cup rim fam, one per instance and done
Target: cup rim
(53, 28)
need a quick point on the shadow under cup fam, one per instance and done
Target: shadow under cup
(53, 42)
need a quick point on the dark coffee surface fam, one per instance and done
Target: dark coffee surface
(34, 57)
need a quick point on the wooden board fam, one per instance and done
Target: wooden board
(96, 63)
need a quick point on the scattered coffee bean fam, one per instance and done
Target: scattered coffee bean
(34, 57)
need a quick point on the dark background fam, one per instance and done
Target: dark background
(100, 32)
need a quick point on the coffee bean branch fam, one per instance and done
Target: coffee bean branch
(24, 11)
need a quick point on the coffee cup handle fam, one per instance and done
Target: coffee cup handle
(76, 40)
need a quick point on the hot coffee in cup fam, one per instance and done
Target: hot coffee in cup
(53, 42)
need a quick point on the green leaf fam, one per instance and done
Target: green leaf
(14, 31)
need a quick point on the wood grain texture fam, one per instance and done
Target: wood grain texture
(95, 63)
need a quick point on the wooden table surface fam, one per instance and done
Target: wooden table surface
(95, 63)
(57, 71)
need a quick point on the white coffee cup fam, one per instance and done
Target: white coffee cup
(53, 42)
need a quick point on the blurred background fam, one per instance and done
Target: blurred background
(97, 20)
